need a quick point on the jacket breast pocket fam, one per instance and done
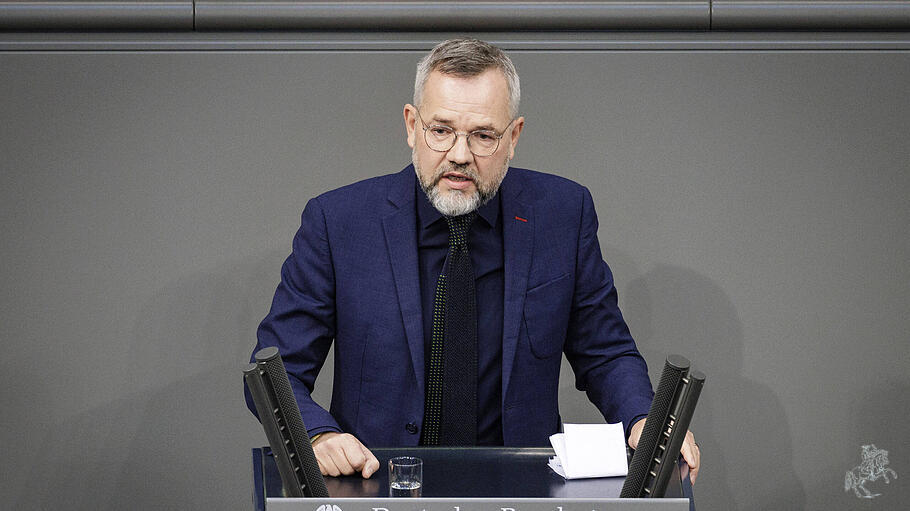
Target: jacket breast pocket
(546, 315)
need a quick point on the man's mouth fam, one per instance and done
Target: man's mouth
(454, 176)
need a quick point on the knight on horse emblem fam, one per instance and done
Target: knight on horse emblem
(873, 468)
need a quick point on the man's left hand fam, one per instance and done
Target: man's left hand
(689, 449)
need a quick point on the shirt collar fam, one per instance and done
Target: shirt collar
(427, 215)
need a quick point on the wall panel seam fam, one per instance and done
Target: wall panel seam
(472, 16)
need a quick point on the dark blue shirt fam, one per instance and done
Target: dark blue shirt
(485, 247)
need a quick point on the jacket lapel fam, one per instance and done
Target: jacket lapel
(400, 228)
(518, 241)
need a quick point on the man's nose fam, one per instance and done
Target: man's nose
(460, 153)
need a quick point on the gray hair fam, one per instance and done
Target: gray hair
(466, 58)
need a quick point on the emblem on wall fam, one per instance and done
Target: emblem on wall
(873, 468)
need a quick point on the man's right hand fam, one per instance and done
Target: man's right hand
(342, 454)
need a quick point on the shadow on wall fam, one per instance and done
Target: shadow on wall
(183, 441)
(740, 424)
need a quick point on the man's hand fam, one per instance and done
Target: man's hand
(342, 454)
(689, 449)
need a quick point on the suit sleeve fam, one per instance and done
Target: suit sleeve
(301, 322)
(600, 348)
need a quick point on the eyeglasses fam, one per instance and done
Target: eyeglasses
(442, 138)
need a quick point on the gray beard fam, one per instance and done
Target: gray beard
(457, 202)
(453, 202)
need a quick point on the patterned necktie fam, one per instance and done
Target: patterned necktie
(450, 416)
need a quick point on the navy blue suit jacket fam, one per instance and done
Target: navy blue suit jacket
(352, 278)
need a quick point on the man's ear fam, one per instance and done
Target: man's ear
(410, 123)
(517, 126)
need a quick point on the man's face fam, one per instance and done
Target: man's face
(457, 181)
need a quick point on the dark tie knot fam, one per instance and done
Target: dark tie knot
(458, 228)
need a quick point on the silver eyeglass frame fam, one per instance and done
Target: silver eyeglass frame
(466, 135)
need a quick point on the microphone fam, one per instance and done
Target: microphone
(280, 417)
(664, 431)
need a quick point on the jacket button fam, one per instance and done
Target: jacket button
(412, 428)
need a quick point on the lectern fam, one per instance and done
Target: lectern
(469, 479)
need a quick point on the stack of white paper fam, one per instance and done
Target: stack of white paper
(589, 450)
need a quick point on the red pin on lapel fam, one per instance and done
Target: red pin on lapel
(521, 219)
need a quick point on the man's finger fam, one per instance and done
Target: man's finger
(338, 451)
(371, 465)
(692, 455)
(327, 466)
(324, 448)
(352, 450)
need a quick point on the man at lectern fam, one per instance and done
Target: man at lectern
(452, 288)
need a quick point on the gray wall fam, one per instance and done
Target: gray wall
(753, 206)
